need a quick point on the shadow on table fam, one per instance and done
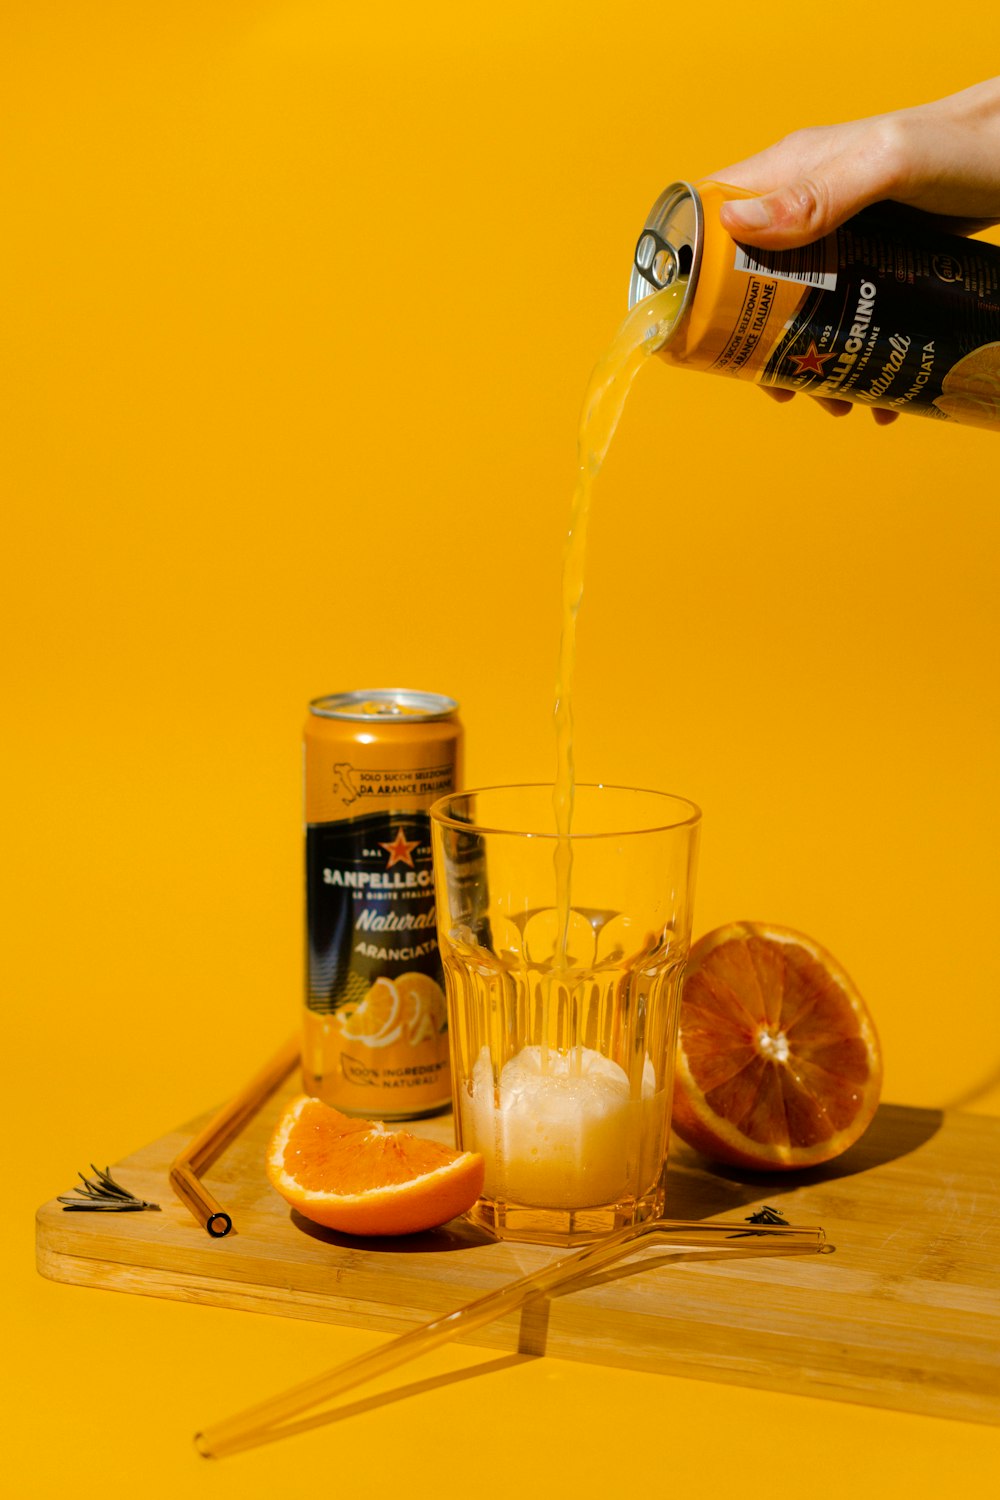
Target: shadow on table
(458, 1235)
(698, 1190)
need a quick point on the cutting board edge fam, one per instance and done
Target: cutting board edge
(515, 1334)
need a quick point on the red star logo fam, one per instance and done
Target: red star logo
(812, 361)
(400, 851)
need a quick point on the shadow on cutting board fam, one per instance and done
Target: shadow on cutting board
(697, 1189)
(458, 1235)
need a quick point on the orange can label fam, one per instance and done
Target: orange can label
(376, 1024)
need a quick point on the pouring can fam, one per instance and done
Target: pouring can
(886, 311)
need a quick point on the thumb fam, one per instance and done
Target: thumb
(795, 215)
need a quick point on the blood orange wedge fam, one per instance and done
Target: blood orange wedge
(361, 1178)
(778, 1062)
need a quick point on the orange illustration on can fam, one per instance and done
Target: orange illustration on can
(886, 311)
(375, 1028)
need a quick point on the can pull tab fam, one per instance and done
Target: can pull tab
(658, 263)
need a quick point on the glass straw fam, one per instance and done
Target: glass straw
(220, 1130)
(263, 1423)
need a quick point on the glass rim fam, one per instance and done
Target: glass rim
(439, 817)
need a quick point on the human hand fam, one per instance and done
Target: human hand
(942, 158)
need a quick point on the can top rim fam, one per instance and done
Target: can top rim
(384, 705)
(676, 218)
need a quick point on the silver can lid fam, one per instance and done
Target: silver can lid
(669, 248)
(376, 705)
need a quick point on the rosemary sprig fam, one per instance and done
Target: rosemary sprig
(766, 1215)
(103, 1196)
(762, 1217)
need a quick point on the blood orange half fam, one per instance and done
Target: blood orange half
(778, 1061)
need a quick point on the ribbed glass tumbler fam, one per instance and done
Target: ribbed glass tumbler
(563, 957)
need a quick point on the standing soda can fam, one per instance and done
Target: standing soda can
(376, 1030)
(886, 311)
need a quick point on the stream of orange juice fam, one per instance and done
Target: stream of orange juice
(561, 1125)
(643, 331)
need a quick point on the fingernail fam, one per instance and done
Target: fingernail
(752, 213)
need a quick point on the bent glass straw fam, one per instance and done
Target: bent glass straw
(263, 1423)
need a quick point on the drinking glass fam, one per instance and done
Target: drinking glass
(563, 957)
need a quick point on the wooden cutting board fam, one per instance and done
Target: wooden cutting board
(905, 1313)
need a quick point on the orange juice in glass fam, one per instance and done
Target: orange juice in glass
(563, 1003)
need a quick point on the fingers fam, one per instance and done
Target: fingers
(835, 408)
(814, 180)
(797, 155)
(941, 158)
(809, 207)
(779, 220)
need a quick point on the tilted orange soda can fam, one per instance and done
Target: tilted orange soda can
(375, 1037)
(886, 311)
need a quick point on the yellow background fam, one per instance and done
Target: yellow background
(300, 302)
